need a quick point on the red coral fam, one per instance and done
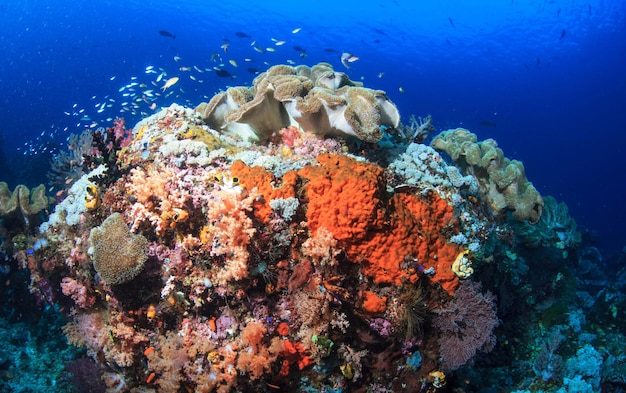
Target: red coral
(373, 304)
(265, 183)
(294, 353)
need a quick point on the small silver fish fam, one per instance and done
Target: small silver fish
(344, 58)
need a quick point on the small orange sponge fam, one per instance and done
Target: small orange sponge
(264, 181)
(372, 304)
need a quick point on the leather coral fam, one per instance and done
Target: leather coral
(316, 99)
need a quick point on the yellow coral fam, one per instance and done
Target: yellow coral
(92, 197)
(462, 265)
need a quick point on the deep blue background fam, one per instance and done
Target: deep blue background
(550, 74)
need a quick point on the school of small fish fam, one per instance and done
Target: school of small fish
(161, 86)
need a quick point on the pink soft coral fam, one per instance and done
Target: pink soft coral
(78, 292)
(229, 232)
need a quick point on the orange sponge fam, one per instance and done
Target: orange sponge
(372, 304)
(265, 183)
(380, 230)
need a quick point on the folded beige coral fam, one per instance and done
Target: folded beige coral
(316, 99)
(501, 181)
(22, 200)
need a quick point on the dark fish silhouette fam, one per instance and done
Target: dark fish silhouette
(486, 123)
(166, 33)
(381, 32)
(253, 70)
(299, 48)
(331, 50)
(562, 34)
(223, 73)
(538, 61)
(451, 22)
(241, 34)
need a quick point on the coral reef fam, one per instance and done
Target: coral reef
(502, 181)
(189, 259)
(246, 260)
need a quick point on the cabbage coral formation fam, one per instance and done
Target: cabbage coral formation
(254, 262)
(318, 100)
(502, 181)
(22, 202)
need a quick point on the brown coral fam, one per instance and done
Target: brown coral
(22, 200)
(118, 255)
(319, 100)
(502, 181)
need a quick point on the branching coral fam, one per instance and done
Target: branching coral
(255, 359)
(106, 146)
(153, 201)
(229, 231)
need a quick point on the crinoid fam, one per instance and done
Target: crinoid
(412, 311)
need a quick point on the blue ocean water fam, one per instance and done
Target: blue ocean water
(543, 78)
